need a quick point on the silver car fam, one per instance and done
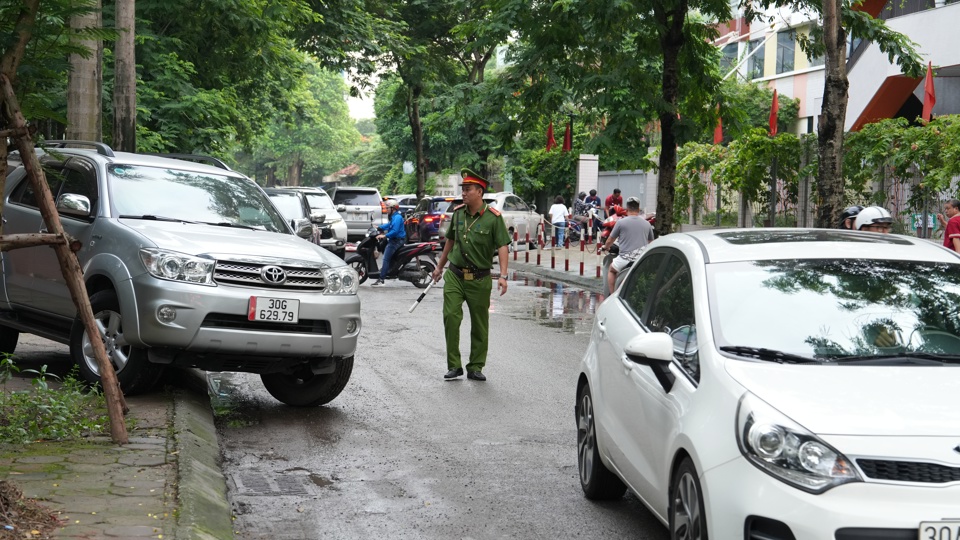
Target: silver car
(186, 264)
(363, 209)
(312, 204)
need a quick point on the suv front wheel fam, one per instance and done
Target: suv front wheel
(303, 388)
(134, 372)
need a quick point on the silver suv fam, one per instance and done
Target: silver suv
(364, 208)
(186, 264)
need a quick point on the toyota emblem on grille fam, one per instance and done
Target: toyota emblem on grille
(274, 275)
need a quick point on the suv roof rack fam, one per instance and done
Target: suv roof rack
(196, 158)
(101, 148)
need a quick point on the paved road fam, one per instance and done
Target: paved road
(403, 454)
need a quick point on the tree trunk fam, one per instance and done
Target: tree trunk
(413, 113)
(85, 82)
(294, 172)
(832, 118)
(271, 180)
(671, 43)
(125, 85)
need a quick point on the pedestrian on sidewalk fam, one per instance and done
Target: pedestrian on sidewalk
(594, 202)
(558, 217)
(951, 224)
(612, 200)
(396, 236)
(476, 232)
(634, 233)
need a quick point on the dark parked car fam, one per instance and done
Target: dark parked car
(406, 203)
(423, 224)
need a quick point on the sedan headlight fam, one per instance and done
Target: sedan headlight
(787, 451)
(174, 266)
(340, 280)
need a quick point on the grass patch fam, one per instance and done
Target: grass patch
(65, 410)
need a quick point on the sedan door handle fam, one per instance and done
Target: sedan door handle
(601, 327)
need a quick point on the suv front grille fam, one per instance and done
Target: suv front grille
(248, 274)
(239, 322)
(909, 471)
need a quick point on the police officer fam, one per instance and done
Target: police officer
(475, 233)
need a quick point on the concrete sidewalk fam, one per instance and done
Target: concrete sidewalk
(166, 483)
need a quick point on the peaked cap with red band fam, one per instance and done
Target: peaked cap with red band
(470, 177)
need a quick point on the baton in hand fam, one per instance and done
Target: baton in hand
(422, 295)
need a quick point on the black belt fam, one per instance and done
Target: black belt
(468, 273)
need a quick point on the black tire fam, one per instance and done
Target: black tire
(597, 481)
(304, 389)
(134, 371)
(8, 340)
(360, 267)
(426, 275)
(686, 511)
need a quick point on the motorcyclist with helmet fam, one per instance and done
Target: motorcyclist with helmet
(848, 216)
(873, 219)
(396, 236)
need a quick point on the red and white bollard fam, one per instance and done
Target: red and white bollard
(515, 246)
(566, 254)
(528, 248)
(583, 243)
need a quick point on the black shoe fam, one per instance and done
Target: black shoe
(453, 374)
(476, 375)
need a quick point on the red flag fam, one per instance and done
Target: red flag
(568, 138)
(929, 96)
(551, 142)
(718, 131)
(774, 107)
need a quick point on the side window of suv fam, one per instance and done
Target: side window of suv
(672, 312)
(24, 193)
(80, 178)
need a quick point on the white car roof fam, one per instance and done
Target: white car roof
(730, 245)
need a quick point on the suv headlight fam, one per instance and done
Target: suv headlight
(340, 280)
(785, 450)
(175, 266)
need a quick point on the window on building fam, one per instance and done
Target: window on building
(755, 63)
(786, 47)
(729, 58)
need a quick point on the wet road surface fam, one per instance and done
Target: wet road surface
(403, 454)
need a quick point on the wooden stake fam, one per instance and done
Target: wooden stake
(73, 275)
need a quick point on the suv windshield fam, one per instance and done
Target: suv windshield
(836, 309)
(191, 196)
(356, 198)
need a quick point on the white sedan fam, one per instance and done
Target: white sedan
(780, 384)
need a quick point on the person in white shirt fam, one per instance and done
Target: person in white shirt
(558, 217)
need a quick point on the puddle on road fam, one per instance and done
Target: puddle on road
(560, 305)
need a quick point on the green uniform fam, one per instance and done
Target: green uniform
(475, 240)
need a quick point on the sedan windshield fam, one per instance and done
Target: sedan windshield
(836, 309)
(191, 196)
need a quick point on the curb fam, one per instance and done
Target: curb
(591, 284)
(204, 512)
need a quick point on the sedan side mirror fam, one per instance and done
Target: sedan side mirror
(654, 350)
(71, 204)
(533, 207)
(303, 227)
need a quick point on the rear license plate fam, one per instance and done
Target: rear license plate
(359, 216)
(282, 310)
(940, 530)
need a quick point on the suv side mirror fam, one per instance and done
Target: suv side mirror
(318, 218)
(341, 208)
(533, 207)
(71, 204)
(303, 227)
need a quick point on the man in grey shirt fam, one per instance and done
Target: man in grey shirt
(634, 233)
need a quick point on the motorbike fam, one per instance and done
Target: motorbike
(412, 262)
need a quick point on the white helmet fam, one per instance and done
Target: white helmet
(392, 203)
(872, 215)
